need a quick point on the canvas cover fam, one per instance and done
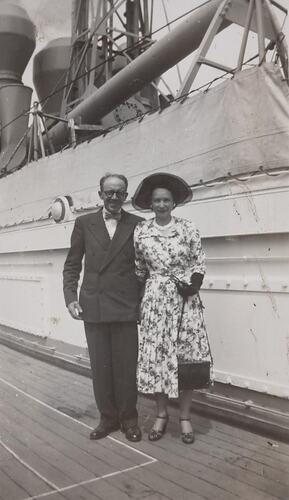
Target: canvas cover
(237, 127)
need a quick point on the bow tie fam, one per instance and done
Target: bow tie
(110, 216)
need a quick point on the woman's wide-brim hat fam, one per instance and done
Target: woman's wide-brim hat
(180, 190)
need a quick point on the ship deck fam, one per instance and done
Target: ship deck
(46, 416)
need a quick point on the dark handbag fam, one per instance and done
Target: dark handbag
(192, 375)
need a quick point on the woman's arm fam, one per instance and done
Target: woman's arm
(197, 253)
(198, 268)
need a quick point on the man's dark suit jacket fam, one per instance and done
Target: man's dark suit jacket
(109, 290)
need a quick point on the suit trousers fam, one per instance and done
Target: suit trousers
(113, 351)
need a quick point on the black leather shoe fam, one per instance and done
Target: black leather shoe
(103, 430)
(133, 433)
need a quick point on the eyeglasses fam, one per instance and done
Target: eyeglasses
(110, 194)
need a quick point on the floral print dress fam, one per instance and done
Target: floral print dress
(160, 255)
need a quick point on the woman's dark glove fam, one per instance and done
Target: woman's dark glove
(196, 282)
(188, 289)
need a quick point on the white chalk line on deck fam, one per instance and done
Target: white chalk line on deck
(74, 419)
(56, 489)
(25, 464)
(89, 481)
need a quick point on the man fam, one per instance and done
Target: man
(108, 305)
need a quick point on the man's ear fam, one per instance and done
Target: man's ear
(100, 194)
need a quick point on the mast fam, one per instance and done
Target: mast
(77, 79)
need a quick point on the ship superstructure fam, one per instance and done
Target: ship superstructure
(101, 110)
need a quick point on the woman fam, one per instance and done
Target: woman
(168, 249)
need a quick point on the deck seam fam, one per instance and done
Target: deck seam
(55, 488)
(75, 420)
(27, 466)
(89, 481)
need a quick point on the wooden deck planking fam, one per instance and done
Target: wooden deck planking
(222, 428)
(224, 485)
(24, 477)
(218, 472)
(85, 387)
(257, 448)
(43, 435)
(10, 489)
(166, 486)
(22, 406)
(210, 448)
(70, 398)
(48, 470)
(73, 434)
(89, 489)
(40, 439)
(231, 434)
(24, 436)
(207, 445)
(131, 488)
(105, 490)
(4, 454)
(224, 463)
(239, 436)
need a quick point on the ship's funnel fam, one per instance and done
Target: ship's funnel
(14, 101)
(50, 66)
(17, 41)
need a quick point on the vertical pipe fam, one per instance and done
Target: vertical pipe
(40, 137)
(280, 40)
(152, 15)
(104, 39)
(146, 17)
(245, 35)
(132, 25)
(50, 144)
(260, 27)
(93, 59)
(109, 44)
(35, 131)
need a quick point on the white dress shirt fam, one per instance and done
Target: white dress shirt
(111, 224)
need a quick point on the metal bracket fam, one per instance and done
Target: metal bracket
(204, 47)
(255, 15)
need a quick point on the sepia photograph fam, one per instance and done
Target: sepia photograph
(144, 250)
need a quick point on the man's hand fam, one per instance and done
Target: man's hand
(75, 310)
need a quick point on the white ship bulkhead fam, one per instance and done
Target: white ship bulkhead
(242, 216)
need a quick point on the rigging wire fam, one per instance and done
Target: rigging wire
(122, 123)
(122, 52)
(205, 87)
(274, 55)
(182, 98)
